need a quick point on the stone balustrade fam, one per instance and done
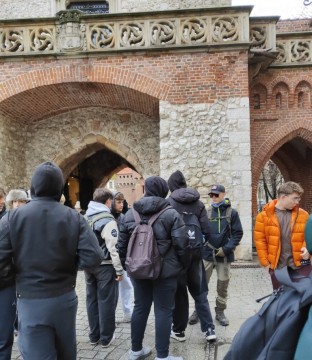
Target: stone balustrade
(294, 49)
(74, 32)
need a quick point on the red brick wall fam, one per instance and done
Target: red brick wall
(276, 124)
(293, 25)
(33, 89)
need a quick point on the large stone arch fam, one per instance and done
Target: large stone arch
(69, 138)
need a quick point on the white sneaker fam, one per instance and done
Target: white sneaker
(142, 354)
(126, 318)
(170, 357)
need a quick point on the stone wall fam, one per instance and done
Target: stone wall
(13, 139)
(17, 9)
(148, 5)
(134, 136)
(211, 144)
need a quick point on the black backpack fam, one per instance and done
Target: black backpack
(273, 333)
(91, 221)
(193, 229)
(143, 260)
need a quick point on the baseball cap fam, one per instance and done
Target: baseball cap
(217, 189)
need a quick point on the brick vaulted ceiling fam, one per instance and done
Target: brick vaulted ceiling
(45, 101)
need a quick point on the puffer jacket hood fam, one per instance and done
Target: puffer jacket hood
(47, 181)
(176, 181)
(185, 195)
(150, 205)
(156, 186)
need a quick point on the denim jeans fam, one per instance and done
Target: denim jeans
(161, 292)
(102, 297)
(7, 318)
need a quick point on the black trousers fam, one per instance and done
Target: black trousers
(194, 281)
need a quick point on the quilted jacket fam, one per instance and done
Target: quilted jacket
(267, 235)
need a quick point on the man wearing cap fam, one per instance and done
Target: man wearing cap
(225, 232)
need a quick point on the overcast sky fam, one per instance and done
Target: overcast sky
(285, 8)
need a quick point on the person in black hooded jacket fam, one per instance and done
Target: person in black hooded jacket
(47, 243)
(225, 233)
(186, 200)
(173, 246)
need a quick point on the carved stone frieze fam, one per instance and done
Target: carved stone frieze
(12, 40)
(225, 28)
(41, 39)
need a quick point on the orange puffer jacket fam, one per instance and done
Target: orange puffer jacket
(267, 235)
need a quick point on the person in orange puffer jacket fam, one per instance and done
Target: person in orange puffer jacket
(279, 234)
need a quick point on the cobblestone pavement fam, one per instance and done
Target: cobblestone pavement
(246, 285)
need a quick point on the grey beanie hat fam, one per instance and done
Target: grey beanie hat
(16, 194)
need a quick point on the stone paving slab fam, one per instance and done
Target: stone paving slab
(246, 285)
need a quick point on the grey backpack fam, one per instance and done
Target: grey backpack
(143, 260)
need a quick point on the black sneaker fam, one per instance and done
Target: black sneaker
(180, 336)
(193, 318)
(105, 345)
(210, 335)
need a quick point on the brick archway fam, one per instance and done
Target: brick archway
(291, 167)
(42, 93)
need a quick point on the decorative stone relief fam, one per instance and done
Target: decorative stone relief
(225, 29)
(300, 51)
(70, 33)
(132, 34)
(42, 39)
(163, 32)
(258, 37)
(11, 40)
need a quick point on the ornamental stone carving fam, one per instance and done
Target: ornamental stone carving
(70, 33)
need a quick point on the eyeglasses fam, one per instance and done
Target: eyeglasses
(213, 195)
(294, 198)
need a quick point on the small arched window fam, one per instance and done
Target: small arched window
(301, 99)
(278, 100)
(257, 101)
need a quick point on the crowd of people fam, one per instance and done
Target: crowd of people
(44, 243)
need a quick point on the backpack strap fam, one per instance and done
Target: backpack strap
(98, 217)
(152, 219)
(155, 216)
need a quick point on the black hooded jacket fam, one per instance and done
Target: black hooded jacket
(221, 235)
(187, 199)
(47, 240)
(168, 229)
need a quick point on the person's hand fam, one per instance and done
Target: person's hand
(266, 268)
(305, 253)
(220, 252)
(118, 277)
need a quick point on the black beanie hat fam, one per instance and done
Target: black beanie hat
(176, 181)
(156, 186)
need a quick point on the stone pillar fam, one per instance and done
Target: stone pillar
(210, 143)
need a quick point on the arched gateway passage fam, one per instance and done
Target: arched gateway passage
(99, 127)
(292, 153)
